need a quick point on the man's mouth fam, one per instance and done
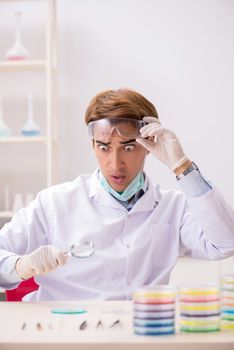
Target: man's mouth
(118, 179)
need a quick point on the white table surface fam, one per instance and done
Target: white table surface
(62, 331)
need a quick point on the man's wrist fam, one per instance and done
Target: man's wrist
(182, 168)
(18, 268)
(187, 171)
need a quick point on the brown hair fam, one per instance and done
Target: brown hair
(119, 104)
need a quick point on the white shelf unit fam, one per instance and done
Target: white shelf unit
(6, 214)
(49, 67)
(23, 139)
(22, 65)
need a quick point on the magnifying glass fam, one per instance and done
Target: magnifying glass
(82, 249)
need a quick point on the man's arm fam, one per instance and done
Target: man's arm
(24, 249)
(211, 235)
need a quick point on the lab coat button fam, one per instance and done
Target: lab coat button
(128, 245)
(129, 283)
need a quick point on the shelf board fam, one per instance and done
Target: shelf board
(6, 214)
(23, 65)
(24, 139)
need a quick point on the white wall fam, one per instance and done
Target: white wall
(178, 53)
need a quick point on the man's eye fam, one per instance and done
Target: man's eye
(103, 148)
(129, 148)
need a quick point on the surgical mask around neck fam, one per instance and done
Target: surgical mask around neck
(136, 184)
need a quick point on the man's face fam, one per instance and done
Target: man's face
(120, 160)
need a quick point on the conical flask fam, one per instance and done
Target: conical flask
(30, 128)
(17, 51)
(4, 129)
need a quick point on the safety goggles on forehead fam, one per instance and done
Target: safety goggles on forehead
(128, 128)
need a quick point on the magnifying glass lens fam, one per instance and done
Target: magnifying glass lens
(83, 249)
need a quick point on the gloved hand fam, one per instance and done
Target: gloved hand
(165, 145)
(40, 261)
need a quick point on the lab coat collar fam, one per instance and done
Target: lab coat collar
(104, 199)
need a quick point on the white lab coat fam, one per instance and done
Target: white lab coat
(135, 248)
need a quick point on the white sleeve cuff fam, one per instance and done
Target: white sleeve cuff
(194, 184)
(10, 278)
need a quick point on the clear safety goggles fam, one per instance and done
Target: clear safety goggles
(125, 127)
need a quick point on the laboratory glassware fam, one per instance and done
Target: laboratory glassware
(28, 198)
(65, 310)
(30, 128)
(4, 129)
(6, 199)
(199, 308)
(154, 310)
(17, 51)
(227, 302)
(82, 249)
(18, 202)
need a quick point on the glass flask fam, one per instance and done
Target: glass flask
(30, 128)
(4, 129)
(17, 51)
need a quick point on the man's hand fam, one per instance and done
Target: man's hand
(40, 261)
(162, 143)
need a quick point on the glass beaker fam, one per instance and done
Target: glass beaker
(18, 202)
(17, 51)
(30, 128)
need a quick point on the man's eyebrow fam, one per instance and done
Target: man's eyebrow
(122, 142)
(128, 141)
(102, 143)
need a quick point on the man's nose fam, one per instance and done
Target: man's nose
(116, 160)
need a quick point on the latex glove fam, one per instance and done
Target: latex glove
(40, 261)
(165, 145)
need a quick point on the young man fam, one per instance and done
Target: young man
(138, 229)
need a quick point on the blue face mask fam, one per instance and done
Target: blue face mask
(136, 184)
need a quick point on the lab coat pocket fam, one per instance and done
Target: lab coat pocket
(165, 245)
